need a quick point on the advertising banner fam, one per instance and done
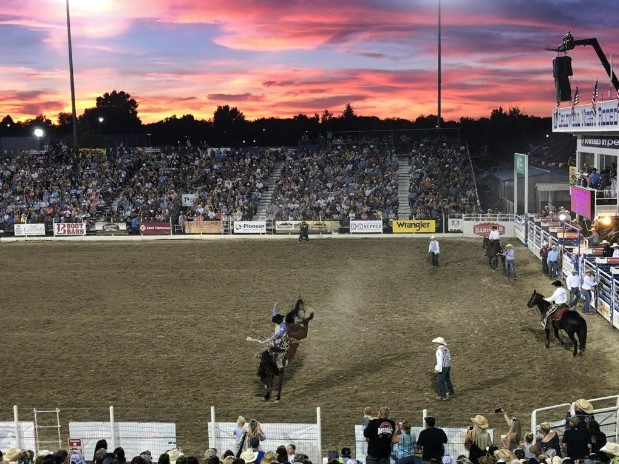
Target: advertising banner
(414, 226)
(454, 225)
(111, 228)
(483, 228)
(65, 229)
(25, 230)
(315, 227)
(188, 199)
(155, 228)
(366, 227)
(203, 227)
(582, 201)
(250, 227)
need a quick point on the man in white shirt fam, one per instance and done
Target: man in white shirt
(443, 369)
(615, 247)
(573, 285)
(588, 287)
(434, 249)
(494, 234)
(558, 298)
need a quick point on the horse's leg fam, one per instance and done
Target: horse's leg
(547, 330)
(269, 388)
(574, 343)
(279, 387)
(556, 329)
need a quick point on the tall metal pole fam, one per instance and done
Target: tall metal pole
(73, 113)
(438, 118)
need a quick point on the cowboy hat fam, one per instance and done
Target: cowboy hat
(249, 455)
(604, 242)
(557, 283)
(432, 237)
(574, 271)
(509, 245)
(615, 245)
(504, 455)
(440, 340)
(11, 455)
(584, 406)
(554, 460)
(610, 448)
(589, 271)
(174, 454)
(480, 421)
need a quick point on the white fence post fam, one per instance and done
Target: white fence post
(17, 430)
(424, 414)
(319, 432)
(112, 429)
(214, 429)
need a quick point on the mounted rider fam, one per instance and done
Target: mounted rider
(558, 299)
(279, 342)
(494, 235)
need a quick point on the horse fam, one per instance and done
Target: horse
(296, 314)
(571, 322)
(492, 250)
(267, 369)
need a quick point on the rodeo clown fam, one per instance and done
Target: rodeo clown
(278, 343)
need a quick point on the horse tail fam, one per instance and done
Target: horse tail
(582, 333)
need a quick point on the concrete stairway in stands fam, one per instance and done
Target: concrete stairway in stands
(267, 195)
(404, 209)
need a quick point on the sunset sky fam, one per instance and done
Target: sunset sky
(285, 57)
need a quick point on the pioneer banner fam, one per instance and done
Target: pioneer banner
(250, 227)
(414, 226)
(483, 228)
(25, 230)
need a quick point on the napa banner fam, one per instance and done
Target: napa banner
(414, 226)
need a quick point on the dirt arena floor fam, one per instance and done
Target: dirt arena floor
(158, 330)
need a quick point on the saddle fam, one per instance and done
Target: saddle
(558, 314)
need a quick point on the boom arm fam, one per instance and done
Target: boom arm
(569, 44)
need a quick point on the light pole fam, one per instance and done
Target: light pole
(38, 133)
(438, 117)
(101, 119)
(73, 113)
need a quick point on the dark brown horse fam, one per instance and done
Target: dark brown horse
(493, 250)
(267, 370)
(571, 322)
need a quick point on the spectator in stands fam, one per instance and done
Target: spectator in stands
(254, 429)
(543, 254)
(576, 439)
(164, 459)
(589, 284)
(594, 179)
(548, 440)
(477, 439)
(584, 410)
(612, 451)
(607, 251)
(367, 416)
(268, 458)
(553, 262)
(597, 440)
(101, 444)
(346, 455)
(528, 446)
(615, 247)
(282, 454)
(405, 447)
(380, 434)
(432, 441)
(254, 446)
(209, 453)
(120, 455)
(573, 286)
(511, 440)
(239, 430)
(594, 237)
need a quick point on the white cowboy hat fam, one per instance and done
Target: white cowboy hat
(610, 448)
(440, 340)
(174, 454)
(584, 406)
(509, 245)
(432, 238)
(480, 421)
(249, 455)
(615, 245)
(604, 242)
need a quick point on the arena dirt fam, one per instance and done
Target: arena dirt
(158, 330)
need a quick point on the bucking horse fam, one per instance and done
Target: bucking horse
(493, 250)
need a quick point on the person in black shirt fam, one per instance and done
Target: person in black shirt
(380, 433)
(576, 439)
(431, 441)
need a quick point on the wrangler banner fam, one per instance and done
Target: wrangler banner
(203, 227)
(414, 226)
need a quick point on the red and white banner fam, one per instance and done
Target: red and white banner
(155, 228)
(483, 228)
(27, 230)
(366, 227)
(250, 227)
(64, 229)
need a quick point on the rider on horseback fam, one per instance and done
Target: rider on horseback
(278, 343)
(558, 298)
(494, 235)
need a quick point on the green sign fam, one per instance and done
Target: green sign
(520, 161)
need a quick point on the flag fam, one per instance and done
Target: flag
(594, 97)
(576, 100)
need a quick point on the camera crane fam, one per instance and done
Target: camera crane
(569, 44)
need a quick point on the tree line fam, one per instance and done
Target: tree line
(116, 113)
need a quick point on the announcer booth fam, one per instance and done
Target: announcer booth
(596, 128)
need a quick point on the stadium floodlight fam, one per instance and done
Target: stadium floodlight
(38, 133)
(562, 217)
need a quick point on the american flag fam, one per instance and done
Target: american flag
(576, 100)
(594, 97)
